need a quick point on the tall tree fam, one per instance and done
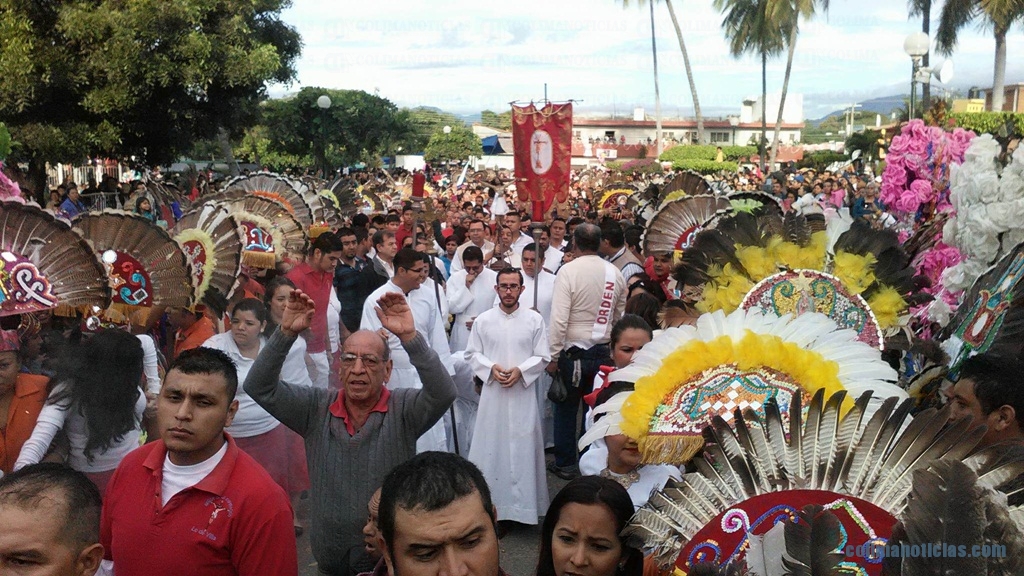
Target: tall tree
(142, 78)
(657, 88)
(357, 127)
(786, 15)
(750, 29)
(997, 15)
(686, 64)
(457, 145)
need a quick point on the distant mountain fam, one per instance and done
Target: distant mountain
(884, 106)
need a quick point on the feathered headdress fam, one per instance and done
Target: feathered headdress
(145, 266)
(688, 376)
(212, 240)
(834, 271)
(272, 187)
(856, 465)
(269, 229)
(991, 314)
(44, 264)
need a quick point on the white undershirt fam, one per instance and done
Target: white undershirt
(178, 478)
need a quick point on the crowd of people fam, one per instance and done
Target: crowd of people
(415, 379)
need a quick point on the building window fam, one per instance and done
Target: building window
(719, 137)
(609, 134)
(576, 134)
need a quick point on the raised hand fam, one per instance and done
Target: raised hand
(298, 313)
(395, 316)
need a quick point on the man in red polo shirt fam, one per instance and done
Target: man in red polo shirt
(408, 225)
(315, 277)
(192, 502)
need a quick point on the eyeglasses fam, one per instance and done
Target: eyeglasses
(508, 287)
(369, 361)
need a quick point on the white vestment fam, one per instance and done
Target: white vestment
(543, 384)
(467, 303)
(403, 375)
(508, 444)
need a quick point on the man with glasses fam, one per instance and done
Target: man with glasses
(355, 435)
(476, 238)
(508, 350)
(410, 272)
(470, 292)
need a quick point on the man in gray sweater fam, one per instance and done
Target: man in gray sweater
(354, 436)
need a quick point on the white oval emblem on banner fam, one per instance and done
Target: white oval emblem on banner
(540, 152)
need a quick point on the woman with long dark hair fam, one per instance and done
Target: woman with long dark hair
(99, 402)
(581, 530)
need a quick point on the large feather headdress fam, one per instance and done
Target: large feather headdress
(273, 187)
(212, 240)
(856, 275)
(269, 229)
(688, 376)
(145, 266)
(857, 464)
(44, 264)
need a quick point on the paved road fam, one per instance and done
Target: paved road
(519, 548)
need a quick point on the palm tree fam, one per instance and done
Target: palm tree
(786, 15)
(689, 72)
(999, 15)
(750, 30)
(657, 90)
(686, 64)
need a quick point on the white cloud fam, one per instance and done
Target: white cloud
(468, 56)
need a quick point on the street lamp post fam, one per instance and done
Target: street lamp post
(916, 46)
(323, 102)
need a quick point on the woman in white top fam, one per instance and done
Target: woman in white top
(255, 431)
(99, 404)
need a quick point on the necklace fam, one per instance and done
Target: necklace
(626, 480)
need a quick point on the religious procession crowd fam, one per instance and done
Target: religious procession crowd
(720, 367)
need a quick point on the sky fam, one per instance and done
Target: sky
(466, 56)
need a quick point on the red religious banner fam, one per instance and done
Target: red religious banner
(542, 140)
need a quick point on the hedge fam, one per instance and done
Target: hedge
(705, 166)
(988, 122)
(706, 152)
(641, 166)
(821, 159)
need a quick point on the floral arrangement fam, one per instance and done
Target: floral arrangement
(988, 204)
(915, 183)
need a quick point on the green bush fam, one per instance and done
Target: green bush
(614, 164)
(989, 122)
(706, 152)
(821, 159)
(705, 166)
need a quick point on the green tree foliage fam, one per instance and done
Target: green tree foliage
(457, 146)
(998, 123)
(497, 121)
(136, 77)
(256, 147)
(821, 159)
(866, 142)
(357, 127)
(424, 122)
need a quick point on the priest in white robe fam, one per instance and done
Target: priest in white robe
(470, 292)
(507, 352)
(408, 279)
(546, 281)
